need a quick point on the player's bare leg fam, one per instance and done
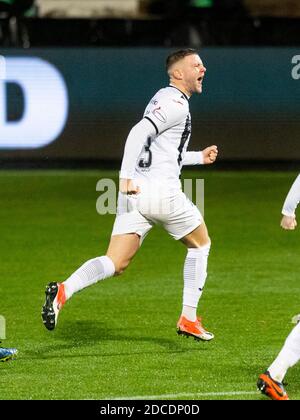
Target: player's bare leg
(198, 238)
(195, 272)
(121, 250)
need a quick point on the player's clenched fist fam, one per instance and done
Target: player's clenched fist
(288, 223)
(128, 186)
(210, 155)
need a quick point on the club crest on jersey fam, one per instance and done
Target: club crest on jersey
(160, 114)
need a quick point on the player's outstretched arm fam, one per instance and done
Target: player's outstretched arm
(205, 157)
(292, 200)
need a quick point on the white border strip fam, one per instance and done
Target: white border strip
(187, 394)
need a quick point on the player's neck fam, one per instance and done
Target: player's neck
(181, 88)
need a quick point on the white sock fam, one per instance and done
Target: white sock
(288, 357)
(195, 273)
(89, 273)
(189, 313)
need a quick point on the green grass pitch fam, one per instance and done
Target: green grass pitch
(118, 338)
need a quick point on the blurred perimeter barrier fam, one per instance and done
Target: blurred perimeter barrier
(79, 104)
(87, 8)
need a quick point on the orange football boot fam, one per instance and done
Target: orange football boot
(193, 329)
(272, 389)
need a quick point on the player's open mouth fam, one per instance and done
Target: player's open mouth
(200, 79)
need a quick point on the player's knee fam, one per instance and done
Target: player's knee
(200, 244)
(207, 242)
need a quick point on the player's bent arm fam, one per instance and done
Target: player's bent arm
(135, 142)
(289, 221)
(292, 199)
(205, 157)
(193, 158)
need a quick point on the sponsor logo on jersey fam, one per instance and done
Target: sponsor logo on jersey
(160, 115)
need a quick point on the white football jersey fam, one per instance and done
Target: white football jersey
(161, 159)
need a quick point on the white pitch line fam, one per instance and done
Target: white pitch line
(187, 394)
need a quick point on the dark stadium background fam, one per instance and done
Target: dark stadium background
(113, 66)
(118, 339)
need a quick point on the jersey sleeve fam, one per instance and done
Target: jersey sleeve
(166, 113)
(133, 147)
(193, 158)
(292, 199)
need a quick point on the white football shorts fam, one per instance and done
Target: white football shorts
(138, 214)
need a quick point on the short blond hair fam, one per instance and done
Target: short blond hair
(177, 56)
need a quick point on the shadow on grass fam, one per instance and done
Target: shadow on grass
(76, 335)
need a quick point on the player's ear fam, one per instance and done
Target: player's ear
(177, 74)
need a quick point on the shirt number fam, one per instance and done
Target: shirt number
(147, 161)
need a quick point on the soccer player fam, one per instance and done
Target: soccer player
(271, 382)
(150, 193)
(7, 354)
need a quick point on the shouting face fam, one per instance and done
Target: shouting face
(189, 73)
